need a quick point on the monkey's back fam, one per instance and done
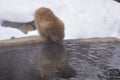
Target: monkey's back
(50, 27)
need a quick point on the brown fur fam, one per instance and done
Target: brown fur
(50, 27)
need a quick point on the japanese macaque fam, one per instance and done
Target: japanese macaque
(52, 54)
(50, 27)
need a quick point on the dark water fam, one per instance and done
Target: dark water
(87, 61)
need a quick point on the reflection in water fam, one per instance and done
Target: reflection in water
(50, 57)
(20, 63)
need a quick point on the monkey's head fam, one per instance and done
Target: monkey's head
(43, 12)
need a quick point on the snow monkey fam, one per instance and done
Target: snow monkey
(51, 54)
(49, 26)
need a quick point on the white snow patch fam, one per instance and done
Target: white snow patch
(7, 33)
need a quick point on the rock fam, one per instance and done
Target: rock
(24, 27)
(117, 0)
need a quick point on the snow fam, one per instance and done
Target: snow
(82, 18)
(10, 32)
